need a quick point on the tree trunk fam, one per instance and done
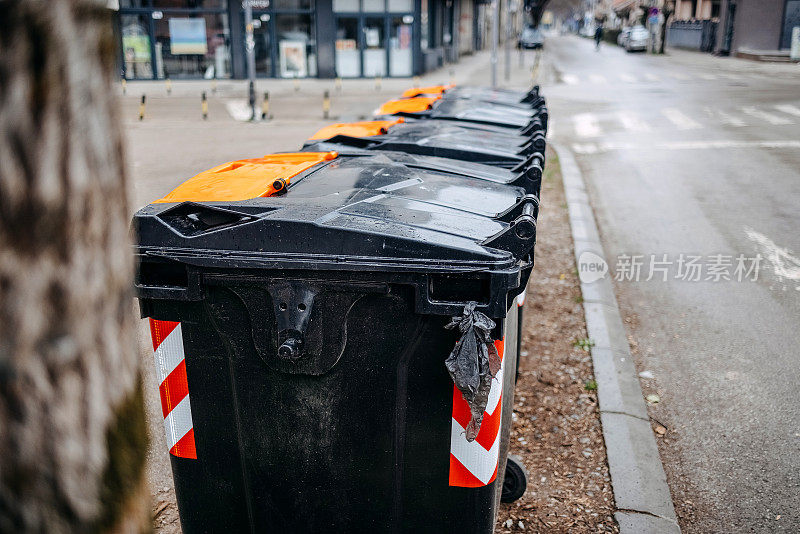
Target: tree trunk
(72, 429)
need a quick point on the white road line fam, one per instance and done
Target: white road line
(594, 148)
(784, 264)
(789, 109)
(764, 116)
(627, 78)
(708, 76)
(652, 77)
(681, 121)
(239, 110)
(596, 78)
(679, 76)
(586, 125)
(730, 120)
(632, 122)
(549, 134)
(570, 79)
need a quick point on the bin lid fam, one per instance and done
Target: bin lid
(370, 210)
(407, 105)
(428, 91)
(356, 129)
(246, 178)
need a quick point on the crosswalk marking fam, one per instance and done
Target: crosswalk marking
(586, 125)
(730, 120)
(679, 76)
(679, 119)
(569, 79)
(596, 78)
(627, 78)
(652, 77)
(788, 109)
(763, 115)
(632, 122)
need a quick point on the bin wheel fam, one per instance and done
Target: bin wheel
(515, 480)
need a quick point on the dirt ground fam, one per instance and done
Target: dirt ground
(557, 430)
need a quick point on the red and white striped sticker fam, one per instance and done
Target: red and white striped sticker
(174, 387)
(474, 464)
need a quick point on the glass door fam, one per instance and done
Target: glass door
(400, 53)
(262, 35)
(348, 47)
(374, 30)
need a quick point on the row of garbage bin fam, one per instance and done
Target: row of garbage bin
(336, 330)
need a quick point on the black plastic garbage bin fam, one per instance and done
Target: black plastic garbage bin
(527, 99)
(298, 305)
(433, 138)
(468, 111)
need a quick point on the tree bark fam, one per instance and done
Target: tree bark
(72, 429)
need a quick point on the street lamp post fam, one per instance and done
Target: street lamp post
(250, 45)
(495, 38)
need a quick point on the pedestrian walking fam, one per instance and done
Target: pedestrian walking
(598, 36)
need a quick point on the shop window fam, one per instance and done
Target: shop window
(191, 45)
(262, 38)
(136, 51)
(297, 50)
(373, 6)
(351, 6)
(189, 4)
(374, 47)
(348, 54)
(133, 3)
(400, 56)
(400, 6)
(292, 5)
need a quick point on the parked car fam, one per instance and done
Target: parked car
(623, 37)
(530, 38)
(637, 39)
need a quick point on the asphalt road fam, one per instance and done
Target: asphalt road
(690, 156)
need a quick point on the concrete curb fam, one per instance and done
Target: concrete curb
(641, 495)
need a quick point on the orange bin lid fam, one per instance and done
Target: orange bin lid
(246, 178)
(408, 105)
(432, 90)
(355, 129)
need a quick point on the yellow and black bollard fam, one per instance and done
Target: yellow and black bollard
(377, 83)
(265, 107)
(141, 109)
(326, 104)
(204, 105)
(168, 83)
(338, 84)
(124, 86)
(296, 84)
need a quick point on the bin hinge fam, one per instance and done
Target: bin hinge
(520, 235)
(529, 204)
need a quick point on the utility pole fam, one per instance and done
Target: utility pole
(508, 40)
(495, 38)
(250, 45)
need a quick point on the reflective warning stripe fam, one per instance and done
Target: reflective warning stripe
(474, 464)
(173, 387)
(521, 298)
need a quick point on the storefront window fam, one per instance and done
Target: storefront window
(262, 36)
(136, 51)
(190, 46)
(292, 5)
(351, 6)
(189, 4)
(374, 6)
(400, 58)
(297, 50)
(401, 6)
(133, 3)
(374, 47)
(348, 54)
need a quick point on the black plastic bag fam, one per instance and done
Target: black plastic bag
(473, 363)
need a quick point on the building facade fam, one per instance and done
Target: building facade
(176, 39)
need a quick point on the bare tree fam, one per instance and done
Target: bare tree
(72, 428)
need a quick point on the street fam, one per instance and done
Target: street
(689, 155)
